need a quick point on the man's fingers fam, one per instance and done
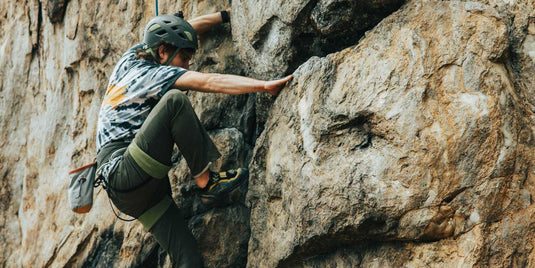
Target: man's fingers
(282, 82)
(288, 78)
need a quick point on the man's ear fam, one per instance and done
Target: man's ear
(161, 53)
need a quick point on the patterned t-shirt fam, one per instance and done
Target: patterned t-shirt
(134, 89)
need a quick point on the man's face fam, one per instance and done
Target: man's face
(182, 60)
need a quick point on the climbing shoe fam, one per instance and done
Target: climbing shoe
(221, 184)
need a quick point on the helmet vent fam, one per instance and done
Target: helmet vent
(161, 33)
(167, 21)
(174, 27)
(154, 27)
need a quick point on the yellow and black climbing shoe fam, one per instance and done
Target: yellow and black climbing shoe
(221, 184)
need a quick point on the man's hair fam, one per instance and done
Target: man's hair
(142, 54)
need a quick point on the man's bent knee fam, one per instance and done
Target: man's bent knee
(175, 96)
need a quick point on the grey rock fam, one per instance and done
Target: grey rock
(275, 37)
(396, 139)
(404, 140)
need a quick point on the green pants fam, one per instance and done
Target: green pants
(144, 168)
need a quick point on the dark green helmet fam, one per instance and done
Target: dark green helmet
(170, 29)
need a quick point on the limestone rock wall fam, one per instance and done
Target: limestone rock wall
(414, 135)
(405, 139)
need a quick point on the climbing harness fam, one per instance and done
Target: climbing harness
(101, 181)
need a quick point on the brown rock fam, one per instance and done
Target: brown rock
(411, 136)
(412, 147)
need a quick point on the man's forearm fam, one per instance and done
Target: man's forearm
(228, 84)
(204, 23)
(233, 84)
(219, 83)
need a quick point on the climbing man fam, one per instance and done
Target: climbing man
(144, 113)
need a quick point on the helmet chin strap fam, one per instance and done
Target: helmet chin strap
(172, 56)
(151, 52)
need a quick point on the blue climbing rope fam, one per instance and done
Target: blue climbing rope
(156, 1)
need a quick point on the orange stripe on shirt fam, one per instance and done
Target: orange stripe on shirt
(114, 96)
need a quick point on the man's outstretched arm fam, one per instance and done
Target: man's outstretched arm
(204, 23)
(228, 84)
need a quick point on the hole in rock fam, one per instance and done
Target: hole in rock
(323, 28)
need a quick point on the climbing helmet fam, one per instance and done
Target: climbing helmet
(171, 29)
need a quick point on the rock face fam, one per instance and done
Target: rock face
(405, 139)
(414, 135)
(276, 37)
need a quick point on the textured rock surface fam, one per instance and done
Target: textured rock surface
(412, 147)
(520, 19)
(54, 76)
(277, 36)
(415, 135)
